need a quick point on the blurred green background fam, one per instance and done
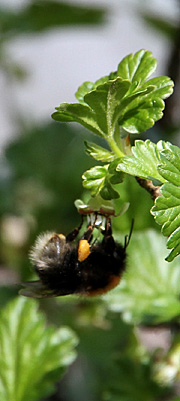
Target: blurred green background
(40, 178)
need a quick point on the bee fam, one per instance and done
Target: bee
(87, 267)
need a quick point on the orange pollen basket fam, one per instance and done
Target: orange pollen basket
(83, 250)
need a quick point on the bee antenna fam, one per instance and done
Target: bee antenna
(128, 237)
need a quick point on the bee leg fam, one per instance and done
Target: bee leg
(108, 240)
(88, 234)
(84, 248)
(108, 229)
(73, 234)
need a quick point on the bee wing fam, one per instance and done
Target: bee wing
(35, 289)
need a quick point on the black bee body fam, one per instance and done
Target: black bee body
(85, 268)
(103, 268)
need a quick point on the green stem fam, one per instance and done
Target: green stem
(115, 147)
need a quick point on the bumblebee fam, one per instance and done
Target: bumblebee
(87, 267)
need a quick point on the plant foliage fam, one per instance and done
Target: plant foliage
(122, 103)
(167, 206)
(32, 356)
(124, 98)
(112, 364)
(149, 291)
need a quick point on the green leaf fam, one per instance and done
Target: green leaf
(116, 176)
(142, 116)
(94, 179)
(137, 67)
(98, 182)
(167, 207)
(162, 87)
(170, 167)
(123, 98)
(116, 93)
(80, 113)
(105, 101)
(149, 291)
(88, 86)
(98, 153)
(97, 101)
(107, 192)
(167, 213)
(32, 356)
(140, 112)
(145, 160)
(85, 88)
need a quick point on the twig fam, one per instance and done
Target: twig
(150, 187)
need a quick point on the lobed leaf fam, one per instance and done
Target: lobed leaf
(32, 356)
(80, 113)
(117, 91)
(149, 291)
(137, 67)
(98, 153)
(123, 98)
(167, 213)
(162, 86)
(170, 166)
(105, 101)
(98, 181)
(145, 160)
(116, 176)
(88, 86)
(142, 109)
(167, 207)
(85, 88)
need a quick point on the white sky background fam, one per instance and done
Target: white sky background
(60, 60)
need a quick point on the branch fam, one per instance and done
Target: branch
(149, 186)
